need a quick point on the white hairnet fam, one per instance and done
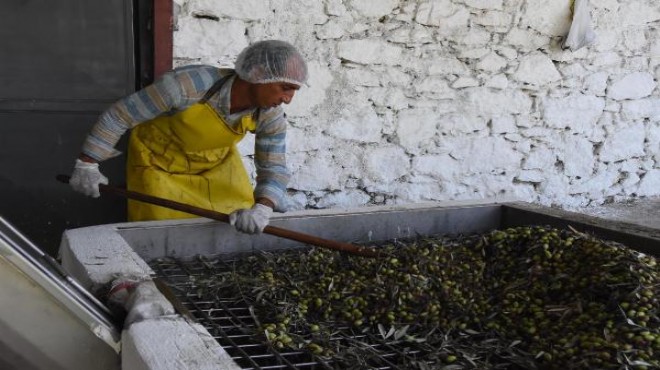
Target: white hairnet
(271, 61)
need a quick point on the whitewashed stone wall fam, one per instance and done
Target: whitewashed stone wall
(418, 100)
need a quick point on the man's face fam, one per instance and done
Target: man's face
(273, 94)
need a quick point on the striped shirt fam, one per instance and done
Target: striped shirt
(176, 91)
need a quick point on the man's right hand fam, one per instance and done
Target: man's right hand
(86, 178)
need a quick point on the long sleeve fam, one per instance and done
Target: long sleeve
(174, 91)
(270, 158)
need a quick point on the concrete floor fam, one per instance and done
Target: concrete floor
(644, 212)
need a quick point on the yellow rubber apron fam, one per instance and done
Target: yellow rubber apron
(189, 157)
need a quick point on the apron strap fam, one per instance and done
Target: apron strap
(215, 88)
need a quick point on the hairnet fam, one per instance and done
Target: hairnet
(271, 61)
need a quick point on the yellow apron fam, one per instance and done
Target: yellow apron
(189, 157)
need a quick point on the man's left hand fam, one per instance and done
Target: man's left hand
(252, 220)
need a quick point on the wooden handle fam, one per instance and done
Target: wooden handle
(272, 230)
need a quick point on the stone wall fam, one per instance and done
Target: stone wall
(424, 100)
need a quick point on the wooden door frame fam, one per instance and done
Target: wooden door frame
(163, 34)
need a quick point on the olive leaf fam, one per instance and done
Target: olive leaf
(401, 332)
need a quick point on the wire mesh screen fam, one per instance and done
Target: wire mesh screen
(230, 320)
(521, 298)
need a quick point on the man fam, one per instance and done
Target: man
(184, 131)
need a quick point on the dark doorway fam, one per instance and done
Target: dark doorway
(63, 62)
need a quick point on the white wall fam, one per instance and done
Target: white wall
(413, 100)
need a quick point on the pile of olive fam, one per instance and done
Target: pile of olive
(532, 296)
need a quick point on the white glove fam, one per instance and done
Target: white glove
(86, 178)
(252, 220)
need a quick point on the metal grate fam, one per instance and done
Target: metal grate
(230, 322)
